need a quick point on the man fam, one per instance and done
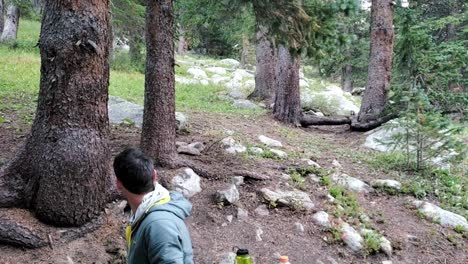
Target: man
(156, 233)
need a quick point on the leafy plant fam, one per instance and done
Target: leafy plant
(371, 242)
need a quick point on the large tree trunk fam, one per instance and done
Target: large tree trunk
(346, 78)
(265, 68)
(63, 171)
(159, 124)
(2, 6)
(287, 106)
(380, 61)
(11, 25)
(182, 46)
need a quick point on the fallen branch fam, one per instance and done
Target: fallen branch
(356, 126)
(15, 234)
(309, 120)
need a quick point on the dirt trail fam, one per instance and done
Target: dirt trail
(213, 234)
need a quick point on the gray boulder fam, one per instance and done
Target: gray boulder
(351, 183)
(441, 216)
(244, 103)
(392, 184)
(269, 141)
(351, 237)
(262, 210)
(229, 195)
(233, 147)
(186, 182)
(295, 199)
(321, 218)
(279, 153)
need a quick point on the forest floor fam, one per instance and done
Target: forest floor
(415, 240)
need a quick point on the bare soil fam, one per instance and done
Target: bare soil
(415, 240)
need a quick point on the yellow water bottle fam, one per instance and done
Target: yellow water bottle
(243, 257)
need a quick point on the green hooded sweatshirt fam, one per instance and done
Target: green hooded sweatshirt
(160, 236)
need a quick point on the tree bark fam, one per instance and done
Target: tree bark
(380, 61)
(2, 22)
(63, 171)
(10, 29)
(159, 130)
(265, 68)
(182, 47)
(346, 78)
(287, 106)
(308, 120)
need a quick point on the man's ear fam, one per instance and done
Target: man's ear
(119, 185)
(155, 176)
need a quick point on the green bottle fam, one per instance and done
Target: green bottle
(243, 256)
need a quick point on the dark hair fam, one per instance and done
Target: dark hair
(135, 170)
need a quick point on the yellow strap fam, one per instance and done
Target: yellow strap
(128, 229)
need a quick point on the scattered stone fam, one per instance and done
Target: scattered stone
(314, 178)
(351, 237)
(230, 62)
(186, 182)
(298, 228)
(198, 145)
(216, 79)
(387, 262)
(330, 198)
(189, 150)
(279, 153)
(180, 143)
(258, 234)
(182, 121)
(269, 141)
(285, 176)
(229, 218)
(310, 162)
(319, 114)
(198, 74)
(242, 214)
(385, 245)
(217, 70)
(351, 183)
(244, 103)
(364, 218)
(236, 94)
(256, 150)
(237, 180)
(229, 195)
(386, 183)
(321, 218)
(441, 216)
(331, 102)
(204, 82)
(232, 146)
(227, 258)
(224, 224)
(295, 199)
(336, 164)
(262, 210)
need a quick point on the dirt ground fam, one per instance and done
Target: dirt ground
(415, 240)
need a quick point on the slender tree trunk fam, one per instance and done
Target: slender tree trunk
(11, 25)
(287, 97)
(2, 6)
(159, 124)
(380, 61)
(346, 78)
(182, 47)
(245, 50)
(63, 171)
(265, 69)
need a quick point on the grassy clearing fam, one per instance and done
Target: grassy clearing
(20, 74)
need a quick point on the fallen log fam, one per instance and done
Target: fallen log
(15, 234)
(363, 127)
(310, 120)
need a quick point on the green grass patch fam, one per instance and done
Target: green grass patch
(351, 208)
(371, 242)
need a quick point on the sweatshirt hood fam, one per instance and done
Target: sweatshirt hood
(178, 205)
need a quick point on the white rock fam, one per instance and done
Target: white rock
(294, 199)
(351, 237)
(439, 215)
(387, 262)
(351, 183)
(216, 79)
(198, 74)
(386, 183)
(230, 62)
(190, 150)
(336, 164)
(310, 162)
(183, 80)
(249, 83)
(269, 141)
(256, 150)
(258, 234)
(330, 198)
(229, 218)
(232, 147)
(186, 182)
(262, 210)
(182, 121)
(279, 153)
(204, 82)
(321, 218)
(333, 102)
(285, 176)
(240, 74)
(386, 246)
(244, 103)
(242, 214)
(237, 180)
(217, 70)
(303, 83)
(229, 195)
(233, 84)
(298, 228)
(320, 114)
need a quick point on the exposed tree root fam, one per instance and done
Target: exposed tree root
(15, 234)
(357, 126)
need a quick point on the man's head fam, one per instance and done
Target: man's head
(134, 171)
